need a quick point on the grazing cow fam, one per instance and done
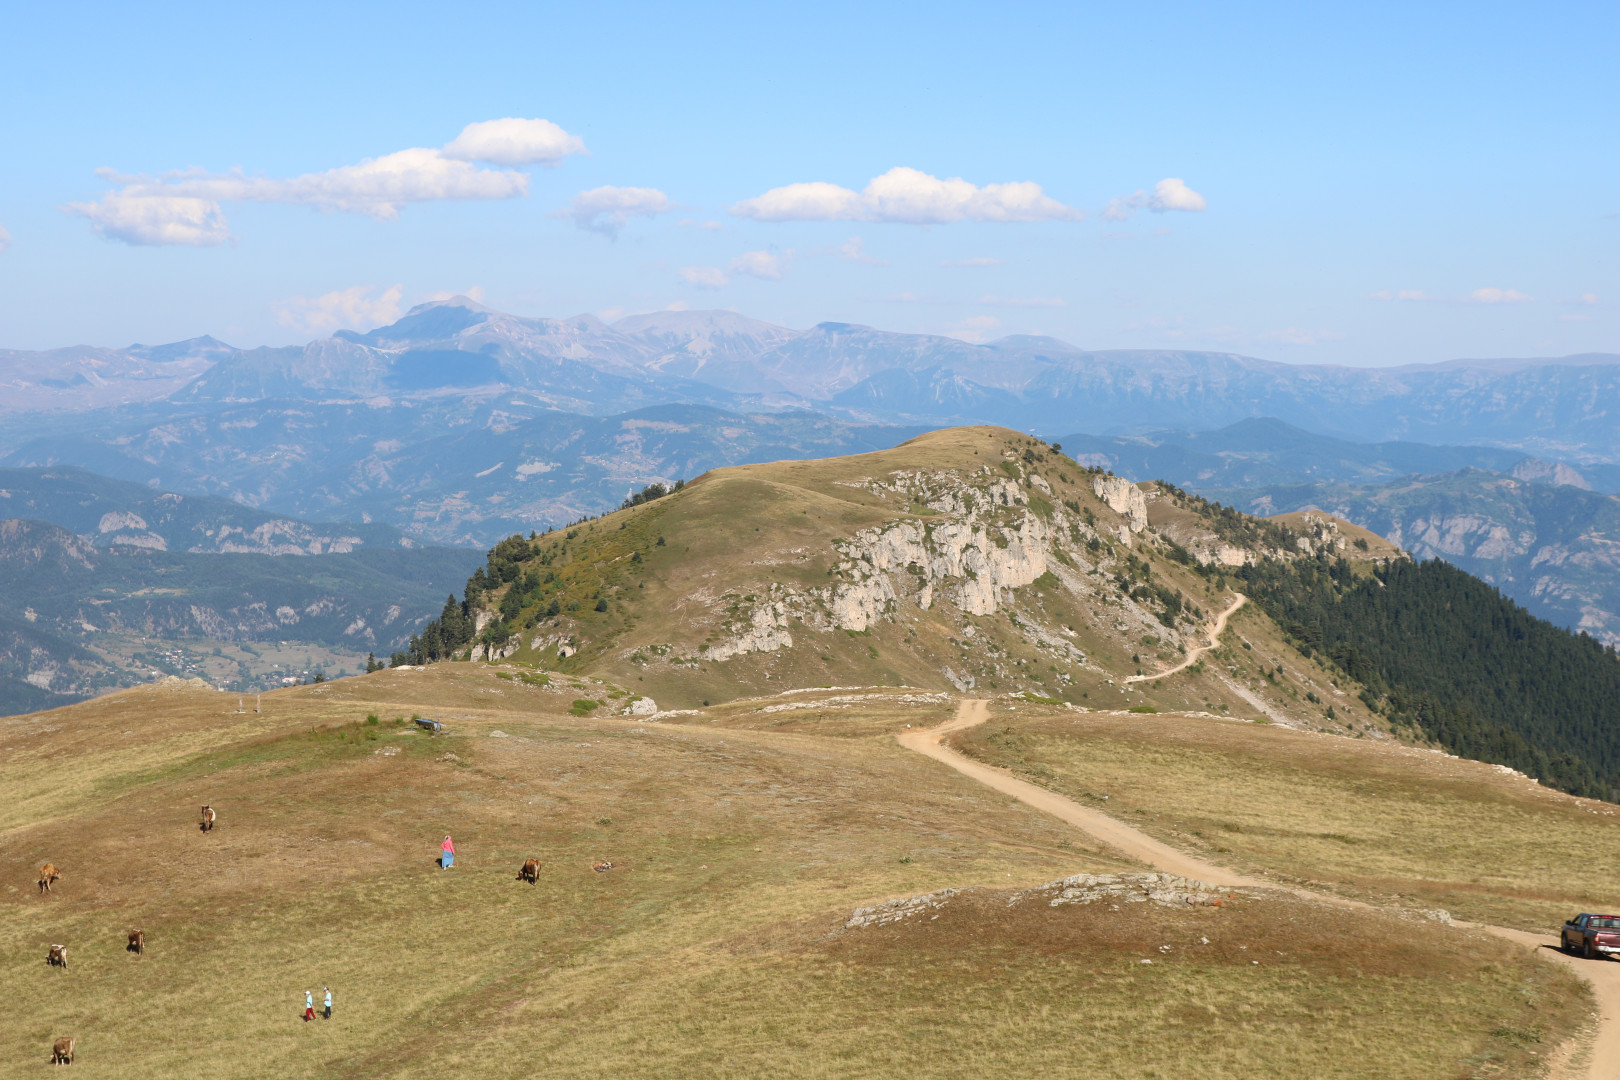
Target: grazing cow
(47, 874)
(56, 956)
(530, 871)
(62, 1052)
(137, 941)
(208, 816)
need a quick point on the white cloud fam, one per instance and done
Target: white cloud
(767, 265)
(854, 250)
(5, 240)
(345, 309)
(1478, 296)
(1024, 301)
(704, 277)
(975, 329)
(907, 196)
(975, 262)
(678, 305)
(1498, 296)
(155, 219)
(184, 207)
(693, 223)
(476, 294)
(606, 210)
(1584, 298)
(515, 141)
(1171, 193)
(1174, 194)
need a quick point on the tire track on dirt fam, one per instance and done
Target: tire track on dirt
(1602, 1055)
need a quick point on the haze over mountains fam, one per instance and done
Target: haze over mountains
(459, 424)
(1563, 406)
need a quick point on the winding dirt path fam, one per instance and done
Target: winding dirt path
(1194, 654)
(1603, 975)
(1116, 834)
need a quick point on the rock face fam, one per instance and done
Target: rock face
(989, 532)
(1124, 498)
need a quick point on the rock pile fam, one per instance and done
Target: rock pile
(1168, 890)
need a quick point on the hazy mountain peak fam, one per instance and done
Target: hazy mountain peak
(1537, 471)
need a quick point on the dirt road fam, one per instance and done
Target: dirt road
(1115, 834)
(1603, 1054)
(1193, 654)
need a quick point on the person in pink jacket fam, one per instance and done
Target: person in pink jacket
(447, 854)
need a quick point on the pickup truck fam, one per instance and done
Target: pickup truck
(1593, 936)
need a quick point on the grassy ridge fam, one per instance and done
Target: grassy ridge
(713, 949)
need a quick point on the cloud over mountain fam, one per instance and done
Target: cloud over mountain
(184, 207)
(907, 196)
(351, 308)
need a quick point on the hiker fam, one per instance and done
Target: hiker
(327, 1015)
(447, 853)
(309, 1006)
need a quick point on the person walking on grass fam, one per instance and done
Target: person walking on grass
(309, 1006)
(327, 1015)
(447, 853)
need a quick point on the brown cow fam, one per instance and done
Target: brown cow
(62, 1052)
(208, 816)
(56, 956)
(602, 867)
(530, 871)
(47, 874)
(137, 941)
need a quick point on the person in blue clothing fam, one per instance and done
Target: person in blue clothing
(327, 1015)
(447, 853)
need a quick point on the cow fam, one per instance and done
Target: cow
(56, 956)
(47, 874)
(62, 1052)
(208, 816)
(530, 871)
(602, 867)
(137, 941)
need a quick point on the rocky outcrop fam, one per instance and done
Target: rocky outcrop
(893, 911)
(1123, 498)
(1167, 890)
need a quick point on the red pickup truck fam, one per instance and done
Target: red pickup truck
(1593, 936)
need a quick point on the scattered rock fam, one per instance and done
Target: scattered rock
(893, 911)
(1168, 890)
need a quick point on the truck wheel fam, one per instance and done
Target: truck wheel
(1589, 952)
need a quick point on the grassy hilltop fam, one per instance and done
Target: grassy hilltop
(767, 800)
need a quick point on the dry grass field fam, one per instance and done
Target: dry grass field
(741, 839)
(1370, 819)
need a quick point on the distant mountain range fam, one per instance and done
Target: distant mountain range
(1266, 451)
(459, 424)
(1554, 548)
(1563, 408)
(113, 513)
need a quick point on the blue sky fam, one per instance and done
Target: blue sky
(1367, 185)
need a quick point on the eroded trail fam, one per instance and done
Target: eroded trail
(1604, 975)
(1196, 653)
(1116, 834)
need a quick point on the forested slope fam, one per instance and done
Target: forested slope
(1448, 657)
